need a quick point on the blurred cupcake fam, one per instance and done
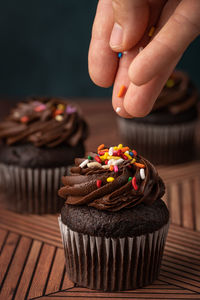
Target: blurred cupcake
(167, 134)
(114, 223)
(38, 140)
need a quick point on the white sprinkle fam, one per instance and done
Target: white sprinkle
(93, 164)
(118, 161)
(59, 118)
(140, 49)
(118, 109)
(110, 152)
(142, 174)
(111, 162)
(125, 52)
(84, 163)
(105, 166)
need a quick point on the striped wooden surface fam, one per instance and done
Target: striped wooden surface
(33, 265)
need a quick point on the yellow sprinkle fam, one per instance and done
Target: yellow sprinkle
(110, 179)
(61, 107)
(129, 157)
(113, 157)
(170, 83)
(104, 157)
(120, 146)
(59, 118)
(115, 148)
(151, 31)
(133, 160)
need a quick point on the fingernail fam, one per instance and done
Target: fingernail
(116, 36)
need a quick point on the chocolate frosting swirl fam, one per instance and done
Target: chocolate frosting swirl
(44, 122)
(80, 188)
(178, 95)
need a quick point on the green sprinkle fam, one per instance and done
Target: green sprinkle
(130, 178)
(90, 157)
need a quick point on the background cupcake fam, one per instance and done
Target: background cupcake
(167, 134)
(38, 140)
(114, 223)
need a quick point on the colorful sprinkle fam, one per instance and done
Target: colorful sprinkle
(139, 165)
(119, 152)
(131, 153)
(106, 161)
(120, 146)
(134, 183)
(140, 49)
(151, 31)
(116, 168)
(58, 112)
(170, 83)
(98, 159)
(99, 183)
(142, 174)
(127, 155)
(118, 109)
(118, 162)
(61, 107)
(134, 152)
(120, 54)
(59, 118)
(124, 156)
(93, 164)
(84, 163)
(100, 147)
(133, 161)
(90, 157)
(130, 178)
(110, 152)
(40, 108)
(111, 168)
(24, 119)
(70, 109)
(110, 179)
(121, 92)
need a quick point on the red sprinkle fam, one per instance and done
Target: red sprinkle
(99, 182)
(101, 153)
(98, 159)
(24, 119)
(134, 152)
(106, 161)
(58, 112)
(134, 184)
(115, 153)
(119, 152)
(124, 156)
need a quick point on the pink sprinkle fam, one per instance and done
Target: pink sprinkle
(70, 109)
(39, 108)
(115, 168)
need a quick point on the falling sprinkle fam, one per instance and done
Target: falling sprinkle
(121, 92)
(70, 109)
(118, 109)
(151, 31)
(120, 54)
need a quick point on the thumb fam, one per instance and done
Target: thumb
(130, 22)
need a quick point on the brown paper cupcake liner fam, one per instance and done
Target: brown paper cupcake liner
(113, 264)
(161, 144)
(29, 190)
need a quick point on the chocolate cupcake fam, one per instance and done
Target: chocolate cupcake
(38, 140)
(170, 127)
(114, 223)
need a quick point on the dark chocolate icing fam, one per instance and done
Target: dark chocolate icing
(80, 188)
(44, 122)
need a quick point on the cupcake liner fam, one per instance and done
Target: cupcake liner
(161, 144)
(113, 264)
(31, 190)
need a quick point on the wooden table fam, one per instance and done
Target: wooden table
(32, 263)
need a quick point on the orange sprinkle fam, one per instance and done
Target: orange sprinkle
(139, 165)
(100, 147)
(122, 91)
(151, 31)
(58, 112)
(124, 149)
(111, 168)
(24, 119)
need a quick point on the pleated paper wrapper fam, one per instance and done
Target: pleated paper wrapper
(161, 144)
(34, 191)
(113, 264)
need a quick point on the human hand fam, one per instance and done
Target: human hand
(124, 25)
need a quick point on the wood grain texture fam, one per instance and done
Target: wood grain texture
(33, 264)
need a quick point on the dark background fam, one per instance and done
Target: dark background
(44, 45)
